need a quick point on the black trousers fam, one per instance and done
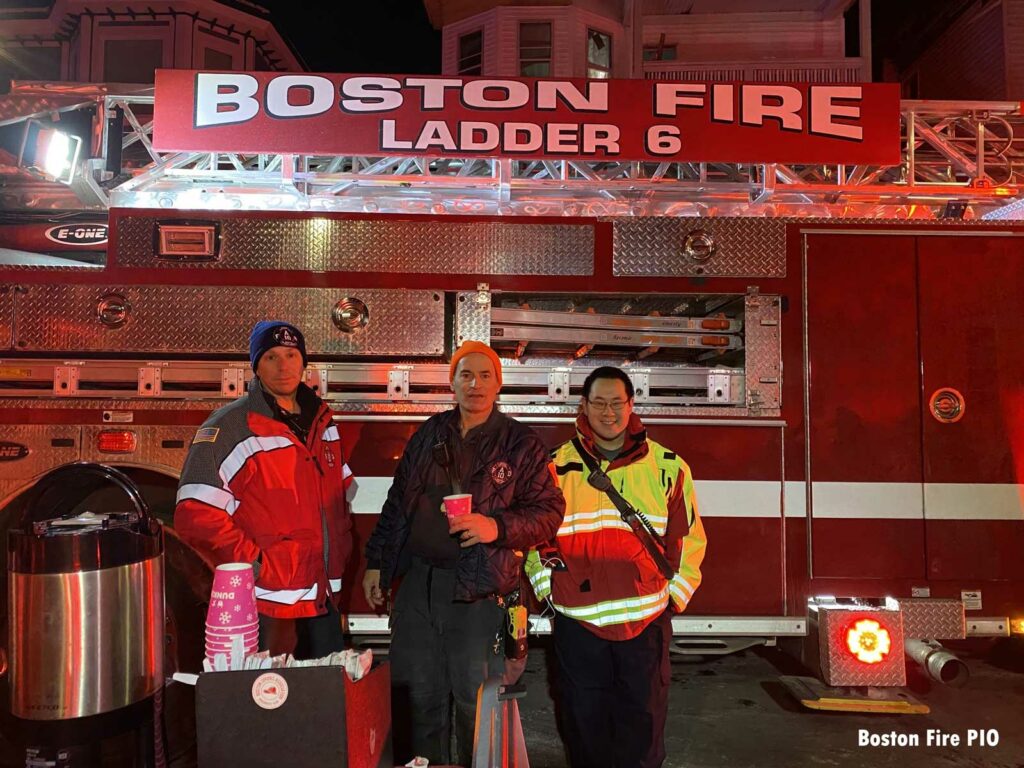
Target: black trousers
(309, 638)
(440, 650)
(613, 694)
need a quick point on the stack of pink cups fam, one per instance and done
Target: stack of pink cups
(232, 611)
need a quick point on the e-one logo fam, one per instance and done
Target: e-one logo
(78, 234)
(12, 451)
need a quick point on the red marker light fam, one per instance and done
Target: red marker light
(116, 441)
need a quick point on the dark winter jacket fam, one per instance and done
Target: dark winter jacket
(510, 479)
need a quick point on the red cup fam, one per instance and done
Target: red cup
(226, 648)
(224, 638)
(233, 597)
(457, 505)
(246, 629)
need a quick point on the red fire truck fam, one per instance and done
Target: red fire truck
(834, 348)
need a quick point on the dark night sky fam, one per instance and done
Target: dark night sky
(395, 36)
(386, 36)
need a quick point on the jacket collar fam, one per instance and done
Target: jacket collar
(259, 403)
(492, 424)
(633, 449)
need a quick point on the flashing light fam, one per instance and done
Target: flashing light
(868, 641)
(116, 441)
(1017, 626)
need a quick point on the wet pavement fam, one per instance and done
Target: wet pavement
(733, 711)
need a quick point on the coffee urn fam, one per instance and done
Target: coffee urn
(86, 600)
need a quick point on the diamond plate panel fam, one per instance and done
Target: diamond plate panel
(6, 316)
(839, 667)
(653, 247)
(151, 451)
(472, 317)
(933, 618)
(218, 319)
(42, 456)
(763, 329)
(377, 245)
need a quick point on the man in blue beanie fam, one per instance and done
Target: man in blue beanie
(264, 483)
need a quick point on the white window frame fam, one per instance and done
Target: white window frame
(101, 34)
(458, 50)
(551, 46)
(203, 40)
(586, 53)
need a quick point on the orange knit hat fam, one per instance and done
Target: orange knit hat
(468, 348)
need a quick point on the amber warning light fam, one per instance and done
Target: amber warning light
(868, 641)
(115, 441)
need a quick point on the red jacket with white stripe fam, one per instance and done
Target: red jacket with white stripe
(250, 490)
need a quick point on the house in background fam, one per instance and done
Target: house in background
(979, 55)
(797, 40)
(124, 42)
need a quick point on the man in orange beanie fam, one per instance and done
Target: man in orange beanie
(457, 573)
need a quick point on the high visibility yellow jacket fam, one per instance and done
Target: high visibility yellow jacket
(609, 582)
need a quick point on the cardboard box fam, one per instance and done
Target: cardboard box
(296, 716)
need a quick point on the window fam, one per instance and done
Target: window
(660, 52)
(599, 54)
(214, 59)
(535, 49)
(19, 62)
(471, 49)
(131, 61)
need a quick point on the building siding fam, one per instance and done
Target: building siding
(968, 60)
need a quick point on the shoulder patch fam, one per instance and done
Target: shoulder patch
(206, 435)
(669, 455)
(501, 473)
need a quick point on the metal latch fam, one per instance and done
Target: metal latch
(719, 386)
(150, 381)
(232, 382)
(558, 385)
(640, 381)
(65, 380)
(316, 379)
(398, 384)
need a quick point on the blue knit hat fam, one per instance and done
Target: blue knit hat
(274, 333)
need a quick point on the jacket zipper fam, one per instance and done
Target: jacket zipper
(323, 512)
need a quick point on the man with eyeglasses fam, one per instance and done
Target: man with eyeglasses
(624, 559)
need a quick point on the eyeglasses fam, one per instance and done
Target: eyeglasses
(618, 406)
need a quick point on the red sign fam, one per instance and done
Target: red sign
(310, 114)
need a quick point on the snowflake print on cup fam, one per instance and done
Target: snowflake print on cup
(236, 581)
(225, 617)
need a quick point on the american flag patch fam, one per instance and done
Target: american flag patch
(206, 435)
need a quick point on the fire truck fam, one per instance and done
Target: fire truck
(834, 349)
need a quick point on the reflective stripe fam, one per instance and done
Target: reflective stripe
(335, 585)
(208, 494)
(678, 583)
(331, 434)
(540, 581)
(618, 611)
(286, 596)
(591, 521)
(246, 449)
(681, 592)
